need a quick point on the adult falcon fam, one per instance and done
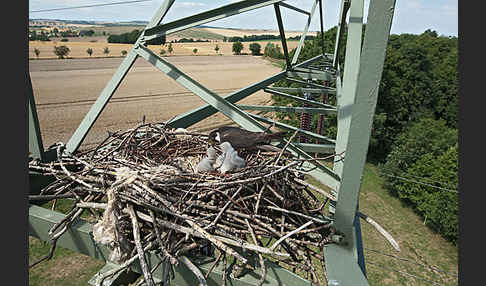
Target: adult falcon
(241, 138)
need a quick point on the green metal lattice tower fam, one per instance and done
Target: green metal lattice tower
(356, 96)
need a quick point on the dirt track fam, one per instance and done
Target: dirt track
(65, 90)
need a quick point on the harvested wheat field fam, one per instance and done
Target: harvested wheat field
(65, 90)
(78, 49)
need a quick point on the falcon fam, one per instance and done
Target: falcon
(241, 138)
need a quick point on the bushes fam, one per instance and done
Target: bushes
(255, 49)
(427, 152)
(273, 51)
(61, 51)
(131, 37)
(237, 47)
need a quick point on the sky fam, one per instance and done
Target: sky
(411, 16)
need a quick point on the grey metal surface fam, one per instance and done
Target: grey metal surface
(36, 148)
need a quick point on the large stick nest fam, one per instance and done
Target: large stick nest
(143, 183)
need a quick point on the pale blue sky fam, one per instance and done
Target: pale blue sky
(411, 16)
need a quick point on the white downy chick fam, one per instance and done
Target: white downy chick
(231, 159)
(206, 164)
(237, 160)
(225, 147)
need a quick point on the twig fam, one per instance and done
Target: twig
(138, 244)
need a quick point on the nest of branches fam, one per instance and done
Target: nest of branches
(141, 188)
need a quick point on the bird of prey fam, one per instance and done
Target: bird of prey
(241, 138)
(231, 159)
(206, 164)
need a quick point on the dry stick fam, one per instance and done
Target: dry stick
(381, 230)
(320, 191)
(68, 220)
(224, 270)
(290, 233)
(195, 232)
(127, 263)
(299, 214)
(285, 147)
(67, 172)
(194, 269)
(260, 257)
(259, 197)
(142, 281)
(138, 244)
(36, 198)
(172, 259)
(224, 209)
(48, 256)
(218, 243)
(214, 264)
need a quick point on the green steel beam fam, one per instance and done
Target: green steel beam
(361, 113)
(310, 84)
(289, 109)
(90, 118)
(313, 70)
(36, 148)
(282, 35)
(311, 75)
(297, 98)
(191, 117)
(321, 25)
(291, 128)
(304, 33)
(206, 17)
(301, 90)
(362, 109)
(341, 25)
(316, 148)
(225, 107)
(283, 4)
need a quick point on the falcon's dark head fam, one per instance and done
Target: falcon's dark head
(213, 137)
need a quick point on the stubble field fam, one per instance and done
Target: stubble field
(65, 90)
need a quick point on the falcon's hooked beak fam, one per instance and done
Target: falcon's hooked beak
(213, 138)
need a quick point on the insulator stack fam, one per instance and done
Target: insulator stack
(320, 122)
(305, 120)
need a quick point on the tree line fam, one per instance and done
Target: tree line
(254, 38)
(414, 137)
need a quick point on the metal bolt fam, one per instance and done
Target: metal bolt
(333, 283)
(337, 238)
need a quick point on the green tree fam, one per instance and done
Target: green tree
(273, 51)
(124, 52)
(106, 51)
(162, 52)
(61, 51)
(89, 51)
(36, 52)
(237, 47)
(255, 49)
(216, 48)
(426, 136)
(194, 51)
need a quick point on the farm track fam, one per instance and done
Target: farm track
(131, 98)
